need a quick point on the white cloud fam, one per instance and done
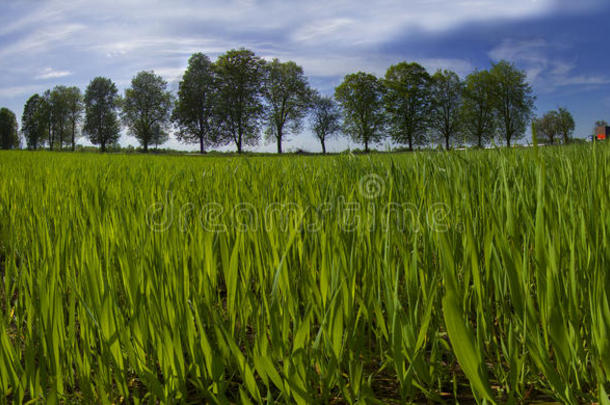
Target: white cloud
(544, 68)
(14, 91)
(328, 38)
(321, 29)
(583, 80)
(366, 22)
(43, 39)
(50, 73)
(130, 25)
(162, 34)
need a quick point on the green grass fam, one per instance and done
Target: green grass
(121, 281)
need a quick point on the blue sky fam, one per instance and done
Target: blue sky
(561, 44)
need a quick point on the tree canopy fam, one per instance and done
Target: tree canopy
(288, 98)
(194, 112)
(407, 101)
(555, 125)
(33, 122)
(101, 119)
(74, 106)
(478, 117)
(9, 135)
(360, 96)
(566, 124)
(60, 115)
(231, 100)
(446, 104)
(325, 118)
(513, 100)
(547, 127)
(146, 109)
(239, 104)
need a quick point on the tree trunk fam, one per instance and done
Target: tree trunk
(366, 145)
(73, 137)
(145, 146)
(103, 146)
(239, 145)
(323, 147)
(201, 149)
(508, 141)
(410, 144)
(480, 142)
(447, 142)
(279, 141)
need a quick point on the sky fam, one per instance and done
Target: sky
(560, 44)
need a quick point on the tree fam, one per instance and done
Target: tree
(239, 105)
(46, 114)
(513, 100)
(58, 100)
(160, 136)
(9, 134)
(74, 105)
(33, 122)
(566, 124)
(101, 120)
(360, 96)
(446, 105)
(325, 118)
(194, 112)
(477, 113)
(146, 109)
(288, 96)
(547, 127)
(407, 102)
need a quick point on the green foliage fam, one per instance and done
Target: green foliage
(101, 119)
(9, 135)
(325, 118)
(46, 116)
(33, 122)
(555, 125)
(58, 101)
(134, 278)
(566, 124)
(445, 120)
(230, 100)
(360, 96)
(547, 127)
(194, 112)
(407, 101)
(146, 109)
(75, 107)
(513, 101)
(288, 98)
(478, 117)
(240, 74)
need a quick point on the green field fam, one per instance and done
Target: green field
(460, 276)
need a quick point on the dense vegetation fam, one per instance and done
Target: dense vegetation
(240, 96)
(298, 280)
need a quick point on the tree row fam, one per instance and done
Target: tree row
(240, 98)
